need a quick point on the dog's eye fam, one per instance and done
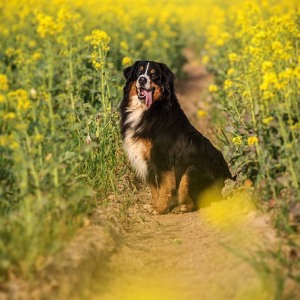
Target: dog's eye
(138, 73)
(154, 76)
(152, 73)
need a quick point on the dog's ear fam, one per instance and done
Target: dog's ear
(167, 75)
(129, 71)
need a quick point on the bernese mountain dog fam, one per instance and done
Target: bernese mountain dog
(165, 150)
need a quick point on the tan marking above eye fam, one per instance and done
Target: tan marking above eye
(141, 68)
(152, 71)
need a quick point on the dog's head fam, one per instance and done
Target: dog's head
(149, 80)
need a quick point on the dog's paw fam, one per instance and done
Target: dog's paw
(176, 210)
(149, 208)
(184, 208)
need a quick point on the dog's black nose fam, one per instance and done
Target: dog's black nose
(142, 80)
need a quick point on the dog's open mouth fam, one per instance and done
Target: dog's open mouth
(146, 95)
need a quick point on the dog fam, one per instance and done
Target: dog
(164, 149)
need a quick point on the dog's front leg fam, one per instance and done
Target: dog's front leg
(164, 192)
(186, 204)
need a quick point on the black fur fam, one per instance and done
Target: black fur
(176, 144)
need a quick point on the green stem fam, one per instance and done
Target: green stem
(102, 82)
(51, 113)
(71, 84)
(285, 140)
(36, 130)
(251, 99)
(33, 170)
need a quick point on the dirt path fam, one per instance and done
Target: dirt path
(192, 95)
(187, 256)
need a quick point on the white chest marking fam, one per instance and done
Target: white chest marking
(134, 148)
(136, 153)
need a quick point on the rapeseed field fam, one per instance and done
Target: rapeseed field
(61, 83)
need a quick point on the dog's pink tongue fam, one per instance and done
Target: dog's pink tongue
(148, 98)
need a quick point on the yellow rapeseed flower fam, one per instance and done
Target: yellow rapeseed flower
(220, 42)
(266, 66)
(14, 145)
(296, 72)
(286, 74)
(99, 38)
(36, 55)
(4, 140)
(10, 52)
(9, 116)
(150, 21)
(212, 88)
(46, 26)
(296, 126)
(3, 82)
(153, 34)
(31, 44)
(228, 84)
(267, 95)
(140, 36)
(237, 140)
(124, 45)
(38, 138)
(147, 43)
(246, 94)
(165, 45)
(277, 46)
(270, 81)
(97, 65)
(252, 140)
(201, 113)
(127, 61)
(267, 120)
(21, 98)
(254, 51)
(96, 60)
(2, 99)
(63, 41)
(205, 59)
(233, 57)
(9, 141)
(230, 71)
(230, 93)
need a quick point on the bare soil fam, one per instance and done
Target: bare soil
(199, 255)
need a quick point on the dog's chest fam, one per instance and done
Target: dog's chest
(138, 150)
